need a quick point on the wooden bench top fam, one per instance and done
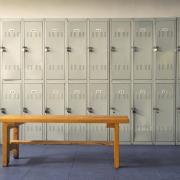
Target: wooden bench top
(63, 119)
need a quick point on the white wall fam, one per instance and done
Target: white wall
(89, 8)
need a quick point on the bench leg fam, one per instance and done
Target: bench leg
(116, 146)
(5, 145)
(15, 151)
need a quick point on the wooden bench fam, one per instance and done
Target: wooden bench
(13, 122)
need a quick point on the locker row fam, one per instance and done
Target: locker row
(80, 49)
(154, 117)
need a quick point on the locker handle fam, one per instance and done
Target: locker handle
(3, 49)
(68, 109)
(90, 109)
(3, 111)
(178, 108)
(133, 110)
(24, 49)
(91, 49)
(47, 110)
(47, 49)
(113, 49)
(156, 109)
(25, 110)
(178, 48)
(113, 108)
(156, 48)
(135, 49)
(68, 49)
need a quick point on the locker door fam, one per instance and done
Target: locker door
(98, 49)
(178, 111)
(77, 49)
(120, 105)
(33, 54)
(142, 49)
(142, 98)
(11, 100)
(33, 105)
(178, 48)
(76, 105)
(55, 106)
(164, 114)
(166, 46)
(11, 56)
(54, 48)
(120, 49)
(98, 101)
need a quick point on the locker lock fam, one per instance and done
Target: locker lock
(156, 49)
(156, 109)
(47, 49)
(24, 49)
(90, 109)
(68, 109)
(178, 48)
(3, 111)
(25, 110)
(69, 49)
(178, 108)
(3, 49)
(113, 108)
(135, 49)
(47, 110)
(113, 49)
(91, 49)
(133, 110)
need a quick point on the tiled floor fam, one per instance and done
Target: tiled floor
(75, 162)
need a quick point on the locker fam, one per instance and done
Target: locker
(120, 105)
(33, 105)
(11, 56)
(178, 48)
(76, 105)
(142, 49)
(55, 49)
(33, 54)
(164, 113)
(98, 105)
(178, 112)
(55, 105)
(142, 112)
(165, 49)
(77, 40)
(120, 42)
(98, 49)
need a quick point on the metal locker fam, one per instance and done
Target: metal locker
(164, 113)
(55, 49)
(33, 50)
(142, 49)
(98, 49)
(33, 105)
(11, 54)
(98, 105)
(77, 42)
(165, 49)
(120, 47)
(120, 99)
(76, 105)
(178, 112)
(142, 112)
(55, 106)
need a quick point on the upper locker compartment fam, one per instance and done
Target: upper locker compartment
(54, 49)
(120, 42)
(11, 54)
(142, 49)
(33, 54)
(165, 48)
(77, 40)
(98, 49)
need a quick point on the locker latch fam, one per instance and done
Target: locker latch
(69, 49)
(135, 49)
(156, 49)
(113, 109)
(178, 48)
(133, 110)
(3, 49)
(25, 110)
(90, 109)
(113, 49)
(156, 109)
(3, 111)
(47, 49)
(178, 108)
(47, 110)
(68, 109)
(91, 49)
(24, 49)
